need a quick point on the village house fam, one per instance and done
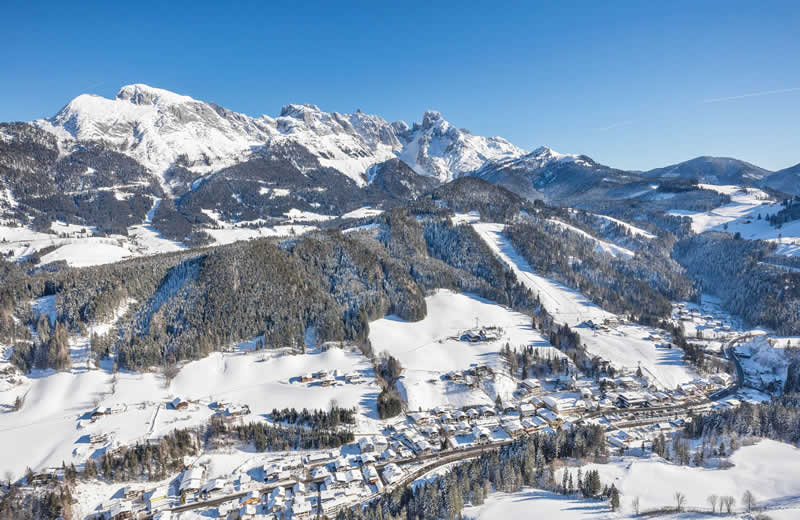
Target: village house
(157, 498)
(366, 445)
(392, 473)
(178, 404)
(370, 473)
(531, 386)
(192, 480)
(527, 410)
(481, 434)
(120, 510)
(631, 400)
(547, 414)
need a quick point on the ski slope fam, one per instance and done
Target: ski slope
(624, 346)
(564, 304)
(601, 245)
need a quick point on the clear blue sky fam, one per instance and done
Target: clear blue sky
(634, 85)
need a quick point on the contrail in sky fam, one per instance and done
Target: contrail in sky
(752, 94)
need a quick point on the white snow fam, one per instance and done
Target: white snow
(229, 235)
(768, 469)
(566, 305)
(437, 148)
(52, 426)
(296, 215)
(630, 227)
(429, 348)
(366, 211)
(79, 255)
(602, 245)
(465, 218)
(741, 216)
(628, 346)
(536, 503)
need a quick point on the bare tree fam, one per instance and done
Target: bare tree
(169, 372)
(712, 501)
(728, 502)
(749, 500)
(680, 501)
(636, 506)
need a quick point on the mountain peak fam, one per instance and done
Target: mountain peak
(298, 110)
(432, 118)
(141, 94)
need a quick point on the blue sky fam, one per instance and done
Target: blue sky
(634, 85)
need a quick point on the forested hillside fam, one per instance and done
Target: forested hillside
(641, 286)
(730, 268)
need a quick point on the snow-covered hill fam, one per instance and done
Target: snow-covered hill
(712, 170)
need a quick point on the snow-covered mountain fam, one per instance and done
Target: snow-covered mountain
(437, 148)
(161, 130)
(712, 170)
(786, 180)
(545, 173)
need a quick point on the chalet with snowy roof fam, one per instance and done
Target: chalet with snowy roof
(632, 400)
(120, 510)
(178, 404)
(388, 454)
(157, 498)
(513, 427)
(392, 473)
(547, 414)
(722, 379)
(370, 473)
(533, 423)
(527, 410)
(192, 480)
(481, 434)
(423, 446)
(487, 411)
(367, 458)
(365, 444)
(531, 386)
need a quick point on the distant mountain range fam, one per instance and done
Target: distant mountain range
(103, 161)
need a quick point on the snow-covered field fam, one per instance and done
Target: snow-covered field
(427, 350)
(625, 346)
(54, 423)
(629, 346)
(80, 254)
(741, 216)
(768, 469)
(536, 503)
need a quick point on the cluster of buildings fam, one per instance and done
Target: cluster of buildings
(331, 377)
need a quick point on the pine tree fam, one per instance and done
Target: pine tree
(614, 498)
